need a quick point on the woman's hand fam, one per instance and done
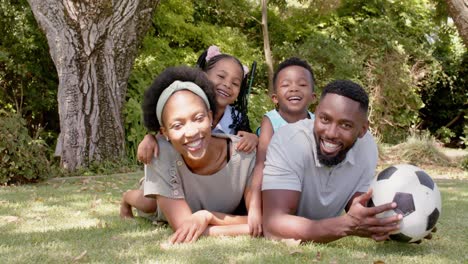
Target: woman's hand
(147, 149)
(248, 141)
(192, 228)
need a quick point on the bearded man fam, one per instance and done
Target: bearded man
(317, 173)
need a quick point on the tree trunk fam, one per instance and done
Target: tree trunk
(458, 11)
(266, 45)
(93, 45)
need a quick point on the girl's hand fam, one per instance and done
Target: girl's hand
(248, 142)
(147, 149)
(192, 228)
(255, 222)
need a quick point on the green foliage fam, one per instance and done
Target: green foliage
(259, 104)
(464, 163)
(182, 31)
(444, 134)
(28, 79)
(22, 158)
(405, 53)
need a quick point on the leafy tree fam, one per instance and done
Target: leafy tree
(28, 78)
(93, 45)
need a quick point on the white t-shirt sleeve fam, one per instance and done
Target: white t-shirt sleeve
(281, 171)
(370, 148)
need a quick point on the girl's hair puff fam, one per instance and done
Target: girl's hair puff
(240, 120)
(166, 78)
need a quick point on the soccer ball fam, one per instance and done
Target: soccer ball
(417, 198)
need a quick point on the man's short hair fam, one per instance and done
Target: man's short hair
(348, 89)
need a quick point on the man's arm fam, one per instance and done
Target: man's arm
(280, 221)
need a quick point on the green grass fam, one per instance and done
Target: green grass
(76, 220)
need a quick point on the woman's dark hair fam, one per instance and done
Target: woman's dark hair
(240, 121)
(166, 78)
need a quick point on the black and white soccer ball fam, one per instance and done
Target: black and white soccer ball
(417, 197)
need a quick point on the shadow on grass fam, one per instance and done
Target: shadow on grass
(77, 220)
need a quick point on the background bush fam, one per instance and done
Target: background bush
(406, 54)
(22, 158)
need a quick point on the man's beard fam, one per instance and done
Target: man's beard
(331, 161)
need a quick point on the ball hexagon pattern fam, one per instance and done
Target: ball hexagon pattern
(417, 197)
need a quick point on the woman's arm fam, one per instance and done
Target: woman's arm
(189, 226)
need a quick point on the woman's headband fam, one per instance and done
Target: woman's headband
(174, 87)
(215, 51)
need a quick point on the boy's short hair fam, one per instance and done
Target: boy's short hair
(293, 61)
(348, 89)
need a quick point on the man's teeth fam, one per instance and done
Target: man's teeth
(330, 145)
(294, 98)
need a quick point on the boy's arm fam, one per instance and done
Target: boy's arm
(255, 203)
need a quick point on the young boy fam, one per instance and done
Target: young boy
(293, 93)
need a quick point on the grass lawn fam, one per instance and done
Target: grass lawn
(76, 220)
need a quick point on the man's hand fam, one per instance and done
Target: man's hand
(147, 149)
(364, 222)
(192, 228)
(248, 141)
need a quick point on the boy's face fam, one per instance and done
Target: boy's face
(294, 91)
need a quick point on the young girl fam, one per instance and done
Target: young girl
(293, 84)
(229, 77)
(199, 178)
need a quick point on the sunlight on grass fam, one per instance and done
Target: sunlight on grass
(76, 220)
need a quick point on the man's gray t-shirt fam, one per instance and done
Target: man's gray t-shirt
(292, 164)
(222, 191)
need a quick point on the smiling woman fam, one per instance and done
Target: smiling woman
(199, 179)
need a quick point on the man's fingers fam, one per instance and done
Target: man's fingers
(381, 208)
(363, 198)
(380, 236)
(383, 229)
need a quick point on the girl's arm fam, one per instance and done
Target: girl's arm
(147, 149)
(248, 141)
(254, 199)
